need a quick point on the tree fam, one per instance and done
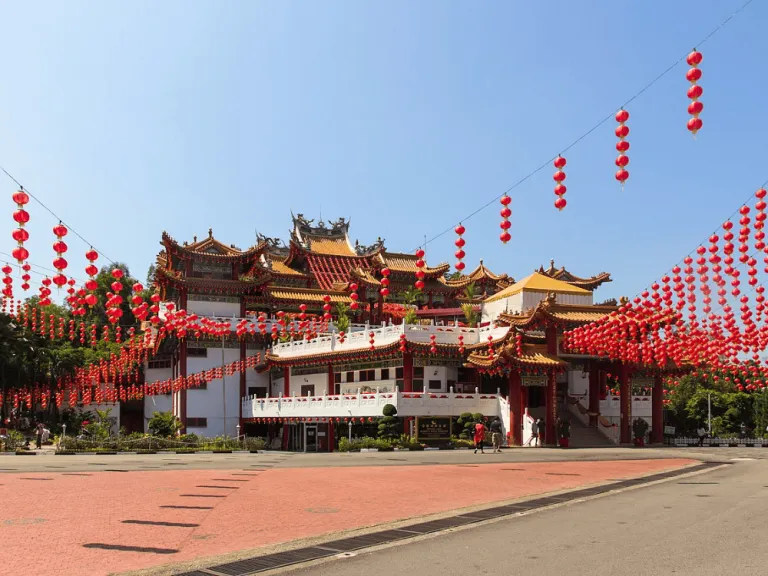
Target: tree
(164, 424)
(342, 313)
(470, 314)
(389, 428)
(760, 401)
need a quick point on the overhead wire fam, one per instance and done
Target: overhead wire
(588, 132)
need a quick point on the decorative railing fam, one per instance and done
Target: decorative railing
(385, 335)
(641, 406)
(371, 404)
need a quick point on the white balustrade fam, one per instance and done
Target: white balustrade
(641, 407)
(367, 404)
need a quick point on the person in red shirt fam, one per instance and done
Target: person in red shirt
(479, 435)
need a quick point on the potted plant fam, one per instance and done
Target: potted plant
(639, 428)
(564, 432)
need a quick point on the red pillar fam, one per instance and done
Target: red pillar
(407, 372)
(625, 399)
(515, 408)
(657, 411)
(380, 309)
(331, 436)
(551, 417)
(243, 353)
(183, 370)
(594, 394)
(287, 381)
(331, 380)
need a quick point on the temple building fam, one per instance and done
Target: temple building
(478, 342)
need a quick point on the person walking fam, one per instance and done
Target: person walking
(701, 433)
(541, 427)
(534, 434)
(496, 434)
(39, 436)
(479, 435)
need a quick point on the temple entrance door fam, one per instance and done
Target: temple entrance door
(310, 438)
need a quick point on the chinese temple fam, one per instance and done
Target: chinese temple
(305, 391)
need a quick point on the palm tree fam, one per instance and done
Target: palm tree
(342, 313)
(469, 291)
(470, 314)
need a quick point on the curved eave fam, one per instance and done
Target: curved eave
(345, 356)
(233, 255)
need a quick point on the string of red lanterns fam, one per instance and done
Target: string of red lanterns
(622, 160)
(460, 242)
(693, 75)
(60, 248)
(420, 274)
(559, 178)
(505, 213)
(20, 234)
(384, 282)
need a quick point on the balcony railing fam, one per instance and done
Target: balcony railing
(367, 404)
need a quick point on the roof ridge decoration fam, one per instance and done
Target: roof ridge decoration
(209, 247)
(565, 276)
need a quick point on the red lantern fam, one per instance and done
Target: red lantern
(385, 282)
(372, 336)
(461, 344)
(460, 247)
(560, 188)
(403, 343)
(353, 296)
(420, 274)
(622, 160)
(21, 217)
(695, 91)
(8, 285)
(327, 308)
(505, 225)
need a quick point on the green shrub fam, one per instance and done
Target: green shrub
(357, 444)
(164, 424)
(389, 425)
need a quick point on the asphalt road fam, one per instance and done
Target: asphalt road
(49, 462)
(708, 524)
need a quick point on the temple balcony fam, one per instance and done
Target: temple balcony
(371, 404)
(359, 339)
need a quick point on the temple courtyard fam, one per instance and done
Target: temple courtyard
(208, 514)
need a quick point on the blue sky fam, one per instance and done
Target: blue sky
(128, 118)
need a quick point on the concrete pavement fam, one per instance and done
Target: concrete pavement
(706, 525)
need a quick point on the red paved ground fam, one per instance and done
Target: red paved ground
(44, 524)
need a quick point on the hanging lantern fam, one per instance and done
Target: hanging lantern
(21, 217)
(327, 308)
(45, 292)
(60, 247)
(91, 285)
(384, 282)
(432, 344)
(303, 309)
(695, 91)
(403, 343)
(372, 341)
(353, 296)
(7, 284)
(622, 160)
(560, 188)
(460, 247)
(342, 336)
(420, 265)
(461, 344)
(505, 213)
(25, 277)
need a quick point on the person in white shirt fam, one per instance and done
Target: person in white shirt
(702, 434)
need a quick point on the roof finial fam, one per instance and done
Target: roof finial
(194, 238)
(481, 261)
(210, 232)
(552, 262)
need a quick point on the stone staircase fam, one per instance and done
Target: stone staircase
(583, 436)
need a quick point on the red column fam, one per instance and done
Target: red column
(331, 436)
(430, 301)
(380, 309)
(657, 411)
(183, 370)
(551, 334)
(331, 380)
(243, 354)
(625, 399)
(515, 407)
(551, 417)
(594, 394)
(407, 372)
(287, 381)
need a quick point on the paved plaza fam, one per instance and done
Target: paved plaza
(113, 514)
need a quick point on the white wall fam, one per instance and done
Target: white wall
(254, 379)
(527, 300)
(578, 383)
(531, 299)
(209, 403)
(205, 308)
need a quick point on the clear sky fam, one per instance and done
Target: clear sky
(130, 118)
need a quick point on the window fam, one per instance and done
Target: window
(350, 376)
(367, 375)
(399, 384)
(418, 372)
(159, 364)
(203, 386)
(337, 388)
(451, 384)
(385, 373)
(308, 390)
(258, 391)
(418, 385)
(435, 384)
(197, 422)
(197, 352)
(337, 378)
(399, 373)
